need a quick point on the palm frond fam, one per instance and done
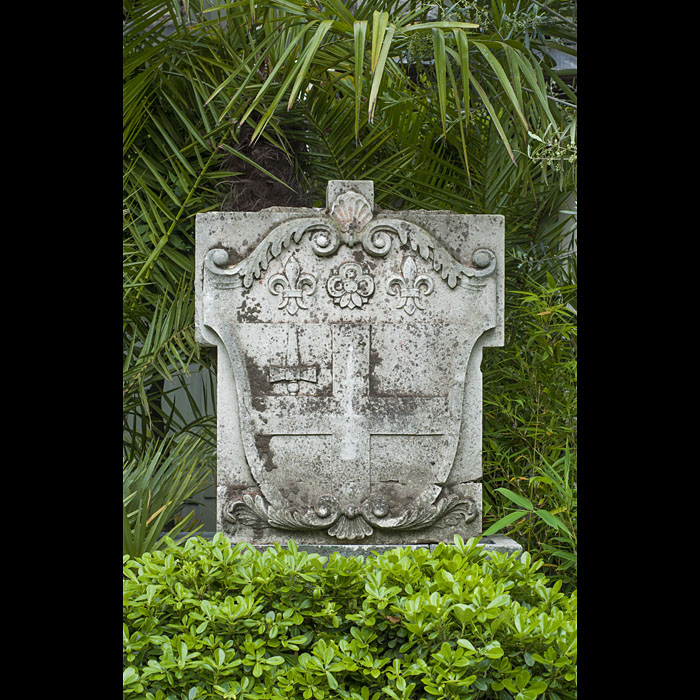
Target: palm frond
(440, 114)
(156, 485)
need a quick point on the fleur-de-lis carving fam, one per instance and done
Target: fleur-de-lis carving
(410, 285)
(292, 284)
(350, 286)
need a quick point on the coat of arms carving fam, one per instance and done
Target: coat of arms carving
(349, 385)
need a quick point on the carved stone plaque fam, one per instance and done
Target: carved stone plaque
(349, 386)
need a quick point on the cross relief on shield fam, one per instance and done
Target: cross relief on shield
(350, 336)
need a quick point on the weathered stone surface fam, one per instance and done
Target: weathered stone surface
(495, 543)
(349, 385)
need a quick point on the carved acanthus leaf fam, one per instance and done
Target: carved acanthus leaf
(271, 247)
(352, 522)
(250, 510)
(428, 248)
(417, 519)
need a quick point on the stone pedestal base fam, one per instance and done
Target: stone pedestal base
(492, 543)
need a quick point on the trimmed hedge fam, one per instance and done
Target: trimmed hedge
(207, 619)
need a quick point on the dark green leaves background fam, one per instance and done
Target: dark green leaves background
(251, 104)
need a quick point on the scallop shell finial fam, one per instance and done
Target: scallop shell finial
(352, 212)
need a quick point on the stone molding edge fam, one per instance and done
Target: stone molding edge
(326, 234)
(490, 543)
(353, 523)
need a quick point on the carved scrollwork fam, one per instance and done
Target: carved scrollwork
(249, 510)
(323, 234)
(351, 221)
(377, 240)
(417, 519)
(484, 261)
(324, 240)
(352, 522)
(217, 261)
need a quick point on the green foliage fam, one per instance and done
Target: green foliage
(530, 423)
(210, 620)
(441, 115)
(155, 487)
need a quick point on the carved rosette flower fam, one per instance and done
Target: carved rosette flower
(292, 284)
(350, 285)
(409, 286)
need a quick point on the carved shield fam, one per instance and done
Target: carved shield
(349, 336)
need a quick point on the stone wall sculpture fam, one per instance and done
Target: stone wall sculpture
(349, 344)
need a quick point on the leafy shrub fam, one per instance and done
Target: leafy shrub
(207, 619)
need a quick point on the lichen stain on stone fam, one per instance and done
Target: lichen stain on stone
(250, 308)
(400, 496)
(374, 361)
(361, 341)
(291, 489)
(359, 256)
(259, 385)
(262, 445)
(235, 492)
